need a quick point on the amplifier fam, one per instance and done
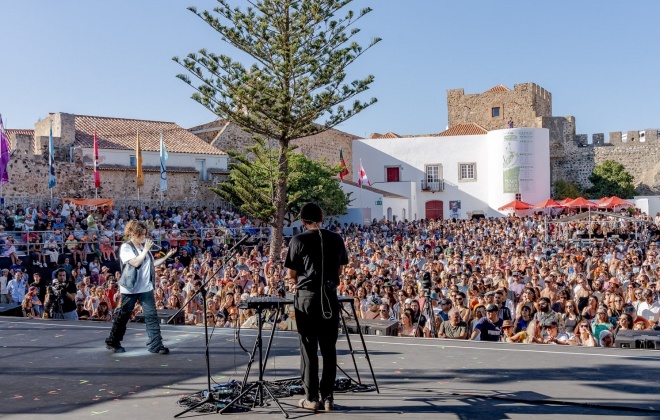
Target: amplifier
(638, 339)
(374, 327)
(164, 315)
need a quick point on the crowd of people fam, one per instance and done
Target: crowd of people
(516, 279)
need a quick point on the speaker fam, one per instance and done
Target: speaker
(163, 316)
(374, 327)
(638, 339)
(10, 309)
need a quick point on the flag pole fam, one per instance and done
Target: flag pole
(96, 194)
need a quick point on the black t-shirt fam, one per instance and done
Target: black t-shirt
(489, 331)
(69, 305)
(313, 262)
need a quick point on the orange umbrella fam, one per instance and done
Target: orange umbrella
(580, 202)
(565, 201)
(547, 204)
(615, 201)
(516, 205)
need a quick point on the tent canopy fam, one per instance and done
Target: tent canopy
(516, 205)
(580, 202)
(548, 204)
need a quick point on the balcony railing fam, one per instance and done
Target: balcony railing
(433, 185)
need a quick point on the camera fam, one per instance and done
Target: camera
(426, 281)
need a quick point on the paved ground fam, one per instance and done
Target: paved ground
(60, 369)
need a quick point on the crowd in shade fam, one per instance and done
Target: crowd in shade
(537, 279)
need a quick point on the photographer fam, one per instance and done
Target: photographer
(62, 297)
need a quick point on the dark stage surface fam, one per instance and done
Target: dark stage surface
(61, 369)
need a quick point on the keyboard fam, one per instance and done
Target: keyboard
(263, 302)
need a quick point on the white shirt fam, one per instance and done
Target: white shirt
(144, 274)
(650, 312)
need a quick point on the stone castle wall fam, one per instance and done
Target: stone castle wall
(573, 157)
(320, 147)
(524, 104)
(28, 177)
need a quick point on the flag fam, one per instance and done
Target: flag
(362, 176)
(163, 157)
(138, 161)
(97, 174)
(51, 159)
(344, 168)
(5, 151)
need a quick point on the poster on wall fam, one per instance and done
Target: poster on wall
(518, 162)
(455, 209)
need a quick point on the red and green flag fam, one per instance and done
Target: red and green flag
(344, 168)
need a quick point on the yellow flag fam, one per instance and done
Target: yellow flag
(138, 161)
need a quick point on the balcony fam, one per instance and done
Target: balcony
(433, 186)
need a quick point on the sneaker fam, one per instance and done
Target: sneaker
(115, 349)
(160, 350)
(309, 405)
(328, 404)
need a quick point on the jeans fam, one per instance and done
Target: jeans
(317, 332)
(128, 302)
(72, 316)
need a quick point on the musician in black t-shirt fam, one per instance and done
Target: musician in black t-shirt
(314, 260)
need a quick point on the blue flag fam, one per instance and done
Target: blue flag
(51, 157)
(163, 157)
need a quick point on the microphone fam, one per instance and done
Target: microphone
(155, 247)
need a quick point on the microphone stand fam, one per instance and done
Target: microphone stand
(202, 290)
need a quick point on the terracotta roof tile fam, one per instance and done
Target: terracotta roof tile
(470, 129)
(11, 131)
(388, 135)
(498, 88)
(120, 133)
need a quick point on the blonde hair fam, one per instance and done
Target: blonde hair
(134, 229)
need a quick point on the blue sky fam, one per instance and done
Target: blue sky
(599, 59)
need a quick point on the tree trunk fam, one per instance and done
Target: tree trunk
(280, 204)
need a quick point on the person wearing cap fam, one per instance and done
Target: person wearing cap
(315, 259)
(488, 328)
(5, 296)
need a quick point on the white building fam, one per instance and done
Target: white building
(445, 175)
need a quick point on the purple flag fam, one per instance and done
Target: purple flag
(5, 149)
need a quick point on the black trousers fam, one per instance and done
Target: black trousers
(316, 332)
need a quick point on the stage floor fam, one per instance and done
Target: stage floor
(61, 369)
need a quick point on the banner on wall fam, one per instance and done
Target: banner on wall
(91, 202)
(455, 209)
(518, 162)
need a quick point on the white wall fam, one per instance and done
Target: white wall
(486, 151)
(526, 152)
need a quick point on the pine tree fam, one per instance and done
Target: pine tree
(253, 178)
(300, 52)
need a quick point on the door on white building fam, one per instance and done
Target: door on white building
(389, 214)
(200, 165)
(434, 209)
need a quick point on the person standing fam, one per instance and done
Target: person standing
(135, 252)
(314, 260)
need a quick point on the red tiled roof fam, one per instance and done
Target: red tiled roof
(388, 135)
(470, 129)
(11, 131)
(120, 133)
(498, 88)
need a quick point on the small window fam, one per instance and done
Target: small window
(519, 197)
(132, 161)
(495, 112)
(393, 173)
(467, 171)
